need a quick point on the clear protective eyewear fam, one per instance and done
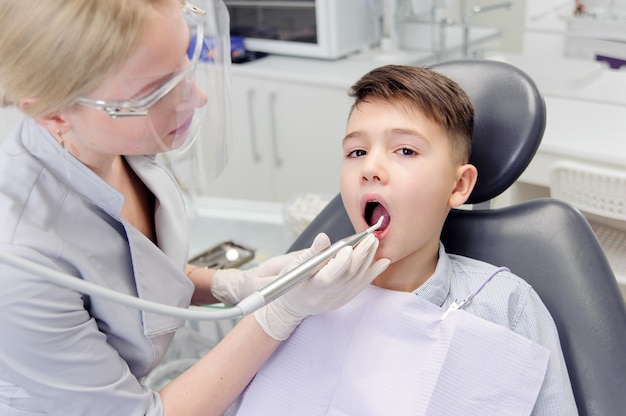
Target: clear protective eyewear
(188, 117)
(140, 107)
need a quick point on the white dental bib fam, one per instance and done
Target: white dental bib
(390, 353)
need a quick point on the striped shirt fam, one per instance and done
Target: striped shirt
(509, 301)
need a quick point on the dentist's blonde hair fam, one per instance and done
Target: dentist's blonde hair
(54, 51)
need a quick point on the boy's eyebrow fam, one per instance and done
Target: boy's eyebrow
(395, 131)
(411, 132)
(350, 135)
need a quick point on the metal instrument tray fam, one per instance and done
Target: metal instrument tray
(225, 255)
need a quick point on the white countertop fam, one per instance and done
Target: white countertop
(608, 88)
(572, 78)
(585, 124)
(580, 131)
(583, 129)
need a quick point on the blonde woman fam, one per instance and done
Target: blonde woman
(106, 84)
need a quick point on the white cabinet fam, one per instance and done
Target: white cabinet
(287, 139)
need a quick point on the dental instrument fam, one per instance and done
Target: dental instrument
(290, 279)
(258, 299)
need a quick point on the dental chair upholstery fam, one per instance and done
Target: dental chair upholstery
(547, 242)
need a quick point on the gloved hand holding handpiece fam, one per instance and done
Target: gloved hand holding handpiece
(333, 286)
(347, 274)
(230, 286)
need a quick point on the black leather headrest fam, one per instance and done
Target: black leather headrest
(510, 118)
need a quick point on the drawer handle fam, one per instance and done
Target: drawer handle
(278, 161)
(256, 155)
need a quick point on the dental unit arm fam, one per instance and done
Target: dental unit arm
(258, 299)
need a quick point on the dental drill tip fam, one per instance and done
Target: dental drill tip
(376, 226)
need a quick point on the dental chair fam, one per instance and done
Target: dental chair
(547, 242)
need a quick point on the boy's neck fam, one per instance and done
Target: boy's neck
(408, 274)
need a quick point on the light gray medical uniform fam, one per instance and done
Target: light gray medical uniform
(62, 352)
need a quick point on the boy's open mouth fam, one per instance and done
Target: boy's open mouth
(373, 211)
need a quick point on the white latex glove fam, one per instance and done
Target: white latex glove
(232, 285)
(347, 274)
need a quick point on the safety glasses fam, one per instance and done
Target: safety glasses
(141, 107)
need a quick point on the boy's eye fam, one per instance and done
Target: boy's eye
(405, 151)
(356, 153)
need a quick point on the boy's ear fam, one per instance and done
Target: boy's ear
(55, 122)
(467, 177)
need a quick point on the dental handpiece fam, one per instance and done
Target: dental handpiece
(290, 279)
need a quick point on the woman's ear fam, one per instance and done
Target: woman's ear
(467, 175)
(54, 122)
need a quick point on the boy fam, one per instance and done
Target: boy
(399, 347)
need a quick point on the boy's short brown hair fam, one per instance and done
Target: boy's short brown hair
(437, 96)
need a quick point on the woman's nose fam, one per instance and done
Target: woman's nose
(195, 97)
(201, 94)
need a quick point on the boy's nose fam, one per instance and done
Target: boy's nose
(374, 169)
